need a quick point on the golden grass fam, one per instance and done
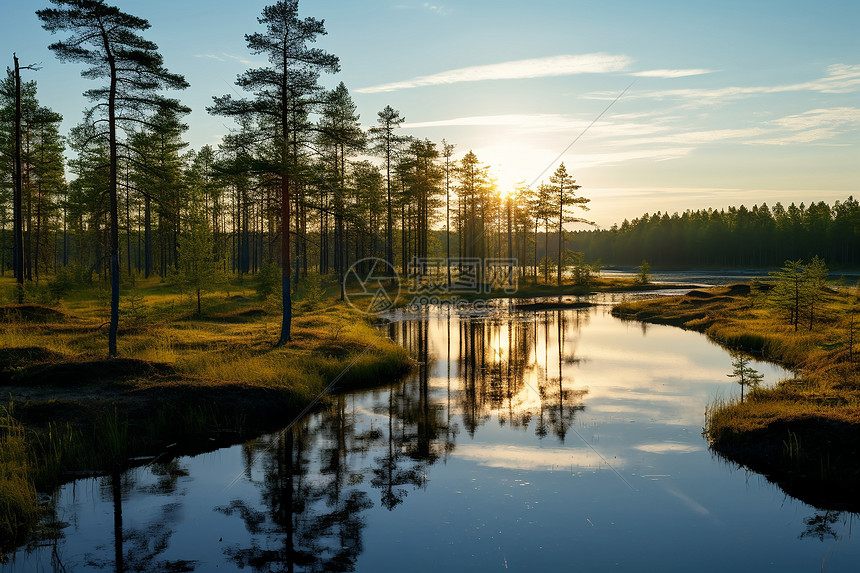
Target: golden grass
(826, 386)
(803, 433)
(183, 374)
(19, 506)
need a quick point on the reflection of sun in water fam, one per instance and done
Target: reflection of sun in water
(499, 344)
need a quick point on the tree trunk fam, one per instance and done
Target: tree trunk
(114, 217)
(39, 230)
(127, 224)
(560, 229)
(18, 223)
(28, 234)
(147, 236)
(285, 261)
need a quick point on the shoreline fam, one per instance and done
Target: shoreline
(70, 414)
(804, 433)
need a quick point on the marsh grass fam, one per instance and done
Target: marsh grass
(190, 380)
(804, 429)
(19, 504)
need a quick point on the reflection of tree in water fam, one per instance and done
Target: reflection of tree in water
(312, 491)
(820, 525)
(414, 426)
(315, 475)
(558, 403)
(505, 369)
(313, 518)
(136, 549)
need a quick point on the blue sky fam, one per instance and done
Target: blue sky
(730, 103)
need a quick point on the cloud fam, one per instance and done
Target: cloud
(598, 63)
(544, 123)
(523, 458)
(821, 117)
(813, 126)
(436, 8)
(667, 448)
(584, 160)
(672, 73)
(839, 79)
(224, 57)
(694, 137)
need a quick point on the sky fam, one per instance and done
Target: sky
(652, 106)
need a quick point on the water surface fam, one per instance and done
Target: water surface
(548, 441)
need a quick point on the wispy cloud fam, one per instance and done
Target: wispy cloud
(818, 126)
(439, 9)
(813, 126)
(667, 448)
(672, 73)
(564, 65)
(839, 116)
(545, 123)
(839, 79)
(516, 457)
(584, 160)
(650, 136)
(225, 57)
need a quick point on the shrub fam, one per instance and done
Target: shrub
(643, 276)
(269, 280)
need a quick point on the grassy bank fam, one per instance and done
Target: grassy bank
(183, 382)
(803, 433)
(527, 290)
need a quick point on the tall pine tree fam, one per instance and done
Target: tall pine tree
(280, 93)
(108, 42)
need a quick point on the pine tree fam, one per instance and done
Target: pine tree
(544, 209)
(340, 137)
(743, 373)
(280, 102)
(790, 294)
(369, 204)
(107, 40)
(564, 187)
(386, 143)
(474, 189)
(816, 281)
(643, 274)
(199, 271)
(157, 177)
(42, 177)
(447, 153)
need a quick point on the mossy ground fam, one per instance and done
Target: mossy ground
(183, 382)
(805, 431)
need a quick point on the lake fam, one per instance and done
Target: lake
(545, 441)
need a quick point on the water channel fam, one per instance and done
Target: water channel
(544, 441)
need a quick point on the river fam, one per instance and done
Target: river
(546, 441)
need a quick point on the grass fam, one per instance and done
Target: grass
(19, 505)
(183, 382)
(805, 431)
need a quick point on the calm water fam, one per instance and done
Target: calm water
(552, 441)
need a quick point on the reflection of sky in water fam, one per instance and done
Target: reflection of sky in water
(621, 479)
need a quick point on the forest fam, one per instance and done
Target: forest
(738, 237)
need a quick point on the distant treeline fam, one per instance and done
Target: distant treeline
(737, 237)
